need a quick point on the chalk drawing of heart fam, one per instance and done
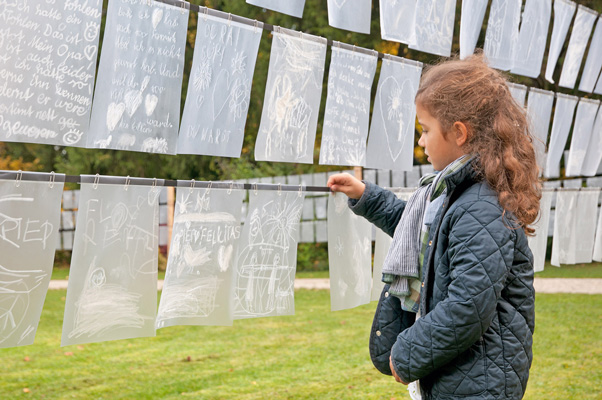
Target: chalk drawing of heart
(394, 107)
(221, 93)
(157, 17)
(132, 100)
(340, 3)
(150, 103)
(114, 114)
(90, 52)
(224, 256)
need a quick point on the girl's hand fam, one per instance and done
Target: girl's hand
(345, 183)
(397, 378)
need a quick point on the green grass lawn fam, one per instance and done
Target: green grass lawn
(316, 354)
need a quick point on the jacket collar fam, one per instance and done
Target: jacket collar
(466, 173)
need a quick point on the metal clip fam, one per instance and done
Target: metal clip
(209, 187)
(255, 26)
(191, 185)
(256, 189)
(231, 187)
(127, 182)
(183, 5)
(52, 179)
(206, 13)
(96, 181)
(19, 177)
(300, 190)
(280, 189)
(229, 19)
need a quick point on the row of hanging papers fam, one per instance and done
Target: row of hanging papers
(49, 66)
(218, 270)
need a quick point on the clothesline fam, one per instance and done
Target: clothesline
(52, 177)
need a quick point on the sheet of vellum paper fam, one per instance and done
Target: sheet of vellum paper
(582, 132)
(137, 101)
(347, 114)
(564, 10)
(381, 248)
(473, 12)
(593, 155)
(30, 219)
(349, 255)
(501, 38)
(219, 90)
(287, 130)
(434, 26)
(539, 242)
(598, 89)
(593, 64)
(264, 281)
(598, 240)
(563, 121)
(518, 92)
(391, 139)
(289, 7)
(112, 291)
(351, 15)
(574, 226)
(198, 282)
(539, 111)
(48, 53)
(582, 29)
(532, 38)
(397, 20)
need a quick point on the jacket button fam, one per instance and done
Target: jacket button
(430, 242)
(386, 294)
(422, 284)
(377, 333)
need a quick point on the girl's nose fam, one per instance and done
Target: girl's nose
(421, 140)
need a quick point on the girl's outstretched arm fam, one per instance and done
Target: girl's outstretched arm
(377, 205)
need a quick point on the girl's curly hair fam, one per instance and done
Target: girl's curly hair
(475, 94)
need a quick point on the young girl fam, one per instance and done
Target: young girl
(459, 258)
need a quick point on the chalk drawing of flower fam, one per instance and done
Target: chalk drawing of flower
(239, 63)
(238, 97)
(395, 104)
(203, 75)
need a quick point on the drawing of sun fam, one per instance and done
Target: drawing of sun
(238, 98)
(282, 222)
(239, 63)
(203, 75)
(395, 104)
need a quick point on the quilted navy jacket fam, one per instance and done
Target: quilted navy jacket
(474, 339)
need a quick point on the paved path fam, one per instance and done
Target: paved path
(542, 285)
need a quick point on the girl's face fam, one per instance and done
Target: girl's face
(441, 150)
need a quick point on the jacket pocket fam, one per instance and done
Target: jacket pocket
(389, 321)
(464, 376)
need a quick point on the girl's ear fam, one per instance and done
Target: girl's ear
(461, 133)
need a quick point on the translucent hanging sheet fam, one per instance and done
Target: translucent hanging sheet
(267, 258)
(289, 7)
(293, 92)
(349, 255)
(219, 90)
(582, 29)
(518, 92)
(532, 38)
(501, 38)
(30, 220)
(434, 26)
(563, 121)
(593, 64)
(198, 282)
(397, 20)
(539, 111)
(563, 15)
(582, 132)
(112, 291)
(574, 226)
(473, 12)
(598, 240)
(48, 54)
(347, 114)
(391, 139)
(539, 242)
(593, 155)
(137, 99)
(381, 248)
(351, 15)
